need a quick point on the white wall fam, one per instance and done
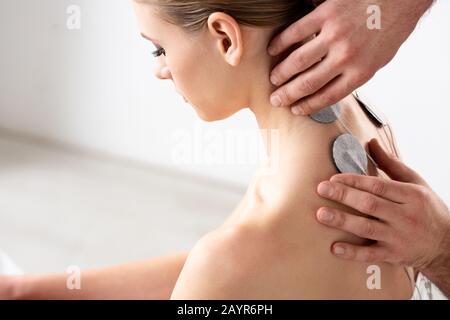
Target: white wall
(414, 92)
(95, 88)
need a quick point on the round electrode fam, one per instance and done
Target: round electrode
(327, 115)
(349, 155)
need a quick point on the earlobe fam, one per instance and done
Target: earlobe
(228, 34)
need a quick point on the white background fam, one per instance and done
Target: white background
(95, 88)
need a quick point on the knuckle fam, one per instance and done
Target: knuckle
(412, 219)
(369, 255)
(327, 13)
(275, 45)
(295, 29)
(307, 86)
(332, 13)
(390, 256)
(422, 193)
(398, 257)
(395, 258)
(290, 35)
(334, 34)
(383, 255)
(285, 95)
(339, 220)
(346, 56)
(350, 50)
(278, 75)
(299, 61)
(340, 194)
(348, 85)
(351, 252)
(395, 238)
(353, 81)
(378, 188)
(368, 229)
(369, 204)
(306, 106)
(326, 99)
(365, 74)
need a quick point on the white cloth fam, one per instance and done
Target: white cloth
(426, 290)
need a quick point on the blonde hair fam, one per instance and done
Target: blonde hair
(192, 15)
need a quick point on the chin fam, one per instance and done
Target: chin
(209, 117)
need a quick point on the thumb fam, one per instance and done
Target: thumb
(393, 167)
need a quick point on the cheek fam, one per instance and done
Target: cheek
(196, 78)
(205, 82)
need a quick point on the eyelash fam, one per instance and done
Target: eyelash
(159, 52)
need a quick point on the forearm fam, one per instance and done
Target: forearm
(439, 270)
(424, 5)
(152, 279)
(408, 12)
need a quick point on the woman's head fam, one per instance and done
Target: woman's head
(215, 51)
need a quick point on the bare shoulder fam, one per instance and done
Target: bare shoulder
(217, 267)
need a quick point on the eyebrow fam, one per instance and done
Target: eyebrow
(147, 37)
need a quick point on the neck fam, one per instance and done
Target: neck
(290, 139)
(279, 127)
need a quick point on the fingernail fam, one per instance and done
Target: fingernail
(275, 101)
(271, 50)
(274, 80)
(298, 111)
(325, 189)
(338, 250)
(326, 215)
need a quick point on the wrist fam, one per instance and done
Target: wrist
(425, 5)
(419, 7)
(440, 265)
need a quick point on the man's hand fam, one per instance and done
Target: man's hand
(412, 226)
(344, 55)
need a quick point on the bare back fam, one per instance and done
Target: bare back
(284, 250)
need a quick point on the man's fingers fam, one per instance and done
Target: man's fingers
(331, 93)
(360, 226)
(295, 33)
(396, 169)
(370, 254)
(298, 61)
(362, 201)
(307, 82)
(390, 190)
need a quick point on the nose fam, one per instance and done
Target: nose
(163, 73)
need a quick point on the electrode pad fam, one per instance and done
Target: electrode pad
(349, 155)
(327, 115)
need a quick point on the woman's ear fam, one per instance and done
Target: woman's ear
(228, 34)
